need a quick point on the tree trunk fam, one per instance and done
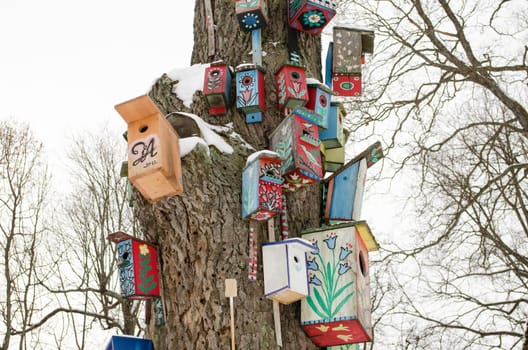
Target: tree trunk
(201, 234)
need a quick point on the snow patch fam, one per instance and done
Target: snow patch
(208, 133)
(189, 143)
(264, 152)
(190, 80)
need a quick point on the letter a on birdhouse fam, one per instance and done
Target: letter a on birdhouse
(138, 267)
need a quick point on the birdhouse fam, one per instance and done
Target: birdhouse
(154, 165)
(126, 342)
(138, 267)
(285, 272)
(347, 85)
(337, 311)
(333, 136)
(344, 189)
(217, 86)
(251, 99)
(310, 16)
(251, 14)
(319, 96)
(297, 143)
(262, 186)
(333, 158)
(292, 90)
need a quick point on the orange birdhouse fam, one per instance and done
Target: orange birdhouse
(154, 165)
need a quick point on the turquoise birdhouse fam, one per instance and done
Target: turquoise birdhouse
(250, 94)
(333, 136)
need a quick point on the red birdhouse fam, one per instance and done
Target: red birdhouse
(310, 16)
(292, 90)
(251, 14)
(217, 86)
(138, 267)
(319, 97)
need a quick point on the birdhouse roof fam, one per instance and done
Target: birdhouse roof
(362, 228)
(364, 154)
(263, 154)
(306, 244)
(249, 66)
(120, 236)
(137, 108)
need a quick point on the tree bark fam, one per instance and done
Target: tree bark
(200, 233)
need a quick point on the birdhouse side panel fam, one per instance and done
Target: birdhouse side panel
(346, 85)
(282, 142)
(250, 91)
(145, 270)
(298, 270)
(360, 189)
(340, 199)
(250, 189)
(310, 16)
(319, 103)
(292, 90)
(363, 286)
(275, 269)
(333, 136)
(251, 14)
(347, 51)
(307, 149)
(126, 268)
(270, 196)
(334, 159)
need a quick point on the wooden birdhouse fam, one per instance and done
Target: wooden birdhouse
(285, 272)
(292, 90)
(251, 14)
(217, 86)
(333, 158)
(348, 85)
(126, 342)
(310, 16)
(297, 143)
(333, 136)
(154, 165)
(319, 96)
(138, 267)
(262, 186)
(251, 99)
(344, 189)
(337, 312)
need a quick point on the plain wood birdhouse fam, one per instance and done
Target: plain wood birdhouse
(338, 312)
(217, 87)
(154, 165)
(285, 272)
(310, 16)
(262, 186)
(138, 267)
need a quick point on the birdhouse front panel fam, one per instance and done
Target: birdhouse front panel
(347, 51)
(346, 85)
(126, 342)
(292, 90)
(297, 142)
(250, 93)
(216, 89)
(333, 136)
(251, 14)
(285, 272)
(138, 267)
(337, 312)
(333, 159)
(262, 188)
(319, 102)
(310, 16)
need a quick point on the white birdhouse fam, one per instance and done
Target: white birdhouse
(285, 271)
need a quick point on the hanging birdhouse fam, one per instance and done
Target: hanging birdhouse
(138, 267)
(217, 86)
(333, 158)
(292, 90)
(347, 85)
(297, 143)
(310, 16)
(333, 136)
(154, 165)
(126, 342)
(344, 189)
(262, 186)
(285, 272)
(250, 93)
(319, 96)
(251, 14)
(337, 312)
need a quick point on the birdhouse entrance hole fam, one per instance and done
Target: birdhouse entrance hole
(362, 265)
(143, 129)
(295, 75)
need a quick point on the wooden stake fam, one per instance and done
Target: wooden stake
(276, 310)
(231, 292)
(210, 28)
(256, 46)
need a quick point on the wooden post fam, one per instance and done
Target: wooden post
(231, 292)
(256, 46)
(276, 310)
(210, 28)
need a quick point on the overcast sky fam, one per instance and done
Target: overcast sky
(64, 64)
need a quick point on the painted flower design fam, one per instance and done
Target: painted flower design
(315, 251)
(312, 265)
(345, 251)
(313, 19)
(343, 268)
(144, 249)
(247, 81)
(330, 240)
(315, 281)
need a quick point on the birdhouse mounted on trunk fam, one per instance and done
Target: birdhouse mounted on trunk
(333, 136)
(251, 14)
(297, 143)
(344, 189)
(319, 96)
(251, 99)
(292, 90)
(285, 272)
(310, 16)
(262, 186)
(154, 165)
(337, 312)
(217, 86)
(126, 342)
(138, 267)
(333, 158)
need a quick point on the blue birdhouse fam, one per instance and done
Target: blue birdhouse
(125, 342)
(319, 96)
(333, 136)
(251, 98)
(262, 186)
